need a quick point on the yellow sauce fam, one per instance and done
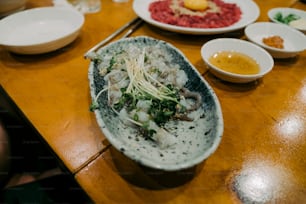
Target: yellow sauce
(235, 62)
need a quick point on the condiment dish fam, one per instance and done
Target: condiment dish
(261, 57)
(40, 30)
(292, 17)
(294, 41)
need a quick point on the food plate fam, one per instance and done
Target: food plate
(294, 41)
(194, 140)
(40, 30)
(250, 13)
(285, 12)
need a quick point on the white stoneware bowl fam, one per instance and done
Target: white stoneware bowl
(261, 56)
(284, 11)
(40, 30)
(294, 40)
(194, 140)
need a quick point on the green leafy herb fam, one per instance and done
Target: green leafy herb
(162, 111)
(94, 106)
(286, 19)
(111, 64)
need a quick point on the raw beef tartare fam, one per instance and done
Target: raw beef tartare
(218, 14)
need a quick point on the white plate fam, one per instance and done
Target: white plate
(286, 11)
(294, 40)
(40, 30)
(250, 13)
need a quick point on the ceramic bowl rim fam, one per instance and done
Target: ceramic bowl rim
(279, 9)
(275, 25)
(80, 21)
(263, 70)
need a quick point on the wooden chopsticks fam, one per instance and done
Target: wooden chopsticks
(133, 24)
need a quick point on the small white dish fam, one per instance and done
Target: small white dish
(285, 12)
(261, 56)
(250, 13)
(294, 40)
(40, 30)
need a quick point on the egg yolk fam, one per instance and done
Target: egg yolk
(197, 5)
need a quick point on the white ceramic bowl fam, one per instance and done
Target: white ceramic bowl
(286, 11)
(194, 140)
(294, 40)
(261, 56)
(10, 6)
(40, 30)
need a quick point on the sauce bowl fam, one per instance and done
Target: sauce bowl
(261, 56)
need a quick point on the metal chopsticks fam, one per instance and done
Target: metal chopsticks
(134, 23)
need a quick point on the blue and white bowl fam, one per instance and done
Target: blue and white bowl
(194, 141)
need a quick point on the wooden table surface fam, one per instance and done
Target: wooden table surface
(262, 155)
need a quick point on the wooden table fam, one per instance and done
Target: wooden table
(261, 158)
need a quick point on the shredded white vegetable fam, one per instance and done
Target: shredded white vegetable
(142, 82)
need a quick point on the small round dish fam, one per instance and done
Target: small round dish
(294, 41)
(288, 16)
(261, 56)
(40, 30)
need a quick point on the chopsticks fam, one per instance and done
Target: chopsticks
(133, 24)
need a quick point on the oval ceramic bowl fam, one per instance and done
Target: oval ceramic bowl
(284, 11)
(40, 30)
(195, 141)
(261, 56)
(294, 40)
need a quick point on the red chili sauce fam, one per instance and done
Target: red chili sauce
(227, 14)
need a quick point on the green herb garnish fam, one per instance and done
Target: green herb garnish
(286, 19)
